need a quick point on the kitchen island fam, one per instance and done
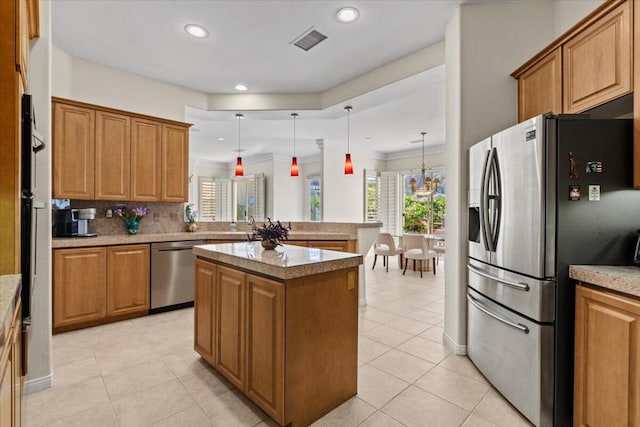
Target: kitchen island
(280, 325)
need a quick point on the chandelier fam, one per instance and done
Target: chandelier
(429, 184)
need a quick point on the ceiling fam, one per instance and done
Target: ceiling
(250, 43)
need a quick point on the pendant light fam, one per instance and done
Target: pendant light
(294, 159)
(239, 168)
(348, 165)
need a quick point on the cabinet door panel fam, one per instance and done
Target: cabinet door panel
(146, 160)
(230, 325)
(540, 87)
(79, 286)
(175, 163)
(607, 365)
(113, 163)
(128, 272)
(265, 345)
(205, 314)
(73, 152)
(597, 62)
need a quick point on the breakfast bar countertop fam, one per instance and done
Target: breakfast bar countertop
(625, 279)
(125, 239)
(284, 262)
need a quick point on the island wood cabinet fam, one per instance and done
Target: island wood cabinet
(590, 64)
(12, 379)
(290, 346)
(105, 154)
(607, 359)
(99, 284)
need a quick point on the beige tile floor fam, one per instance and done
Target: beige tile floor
(144, 372)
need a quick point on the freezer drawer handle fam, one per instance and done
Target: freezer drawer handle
(517, 285)
(517, 326)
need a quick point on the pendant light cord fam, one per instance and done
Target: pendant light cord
(348, 108)
(294, 133)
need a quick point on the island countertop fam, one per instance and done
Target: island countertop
(284, 262)
(625, 279)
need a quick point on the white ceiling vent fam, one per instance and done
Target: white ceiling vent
(309, 39)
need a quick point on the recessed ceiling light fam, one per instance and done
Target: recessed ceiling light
(241, 87)
(220, 139)
(196, 31)
(347, 14)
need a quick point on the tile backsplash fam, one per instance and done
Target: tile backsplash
(163, 217)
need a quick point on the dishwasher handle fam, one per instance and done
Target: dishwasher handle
(175, 249)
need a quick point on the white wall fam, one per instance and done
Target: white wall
(81, 80)
(481, 100)
(568, 12)
(39, 345)
(287, 190)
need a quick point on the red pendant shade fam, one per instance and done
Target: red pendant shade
(348, 166)
(294, 166)
(239, 168)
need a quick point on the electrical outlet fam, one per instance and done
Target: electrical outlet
(109, 213)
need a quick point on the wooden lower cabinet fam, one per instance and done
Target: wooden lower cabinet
(607, 359)
(11, 378)
(230, 324)
(290, 346)
(99, 284)
(333, 245)
(127, 280)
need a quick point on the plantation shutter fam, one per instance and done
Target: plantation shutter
(207, 206)
(388, 202)
(223, 204)
(258, 197)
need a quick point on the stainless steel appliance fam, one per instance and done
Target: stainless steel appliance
(74, 222)
(172, 275)
(549, 192)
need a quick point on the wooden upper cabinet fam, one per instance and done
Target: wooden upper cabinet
(79, 286)
(73, 152)
(146, 160)
(175, 163)
(607, 359)
(128, 271)
(598, 61)
(540, 87)
(22, 40)
(113, 164)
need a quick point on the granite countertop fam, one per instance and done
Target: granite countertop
(125, 239)
(9, 285)
(625, 279)
(285, 262)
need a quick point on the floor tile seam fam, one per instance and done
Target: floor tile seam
(406, 332)
(420, 357)
(463, 374)
(444, 400)
(389, 373)
(388, 345)
(447, 400)
(392, 397)
(385, 414)
(480, 401)
(177, 412)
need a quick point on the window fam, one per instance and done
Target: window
(423, 214)
(371, 190)
(207, 207)
(315, 198)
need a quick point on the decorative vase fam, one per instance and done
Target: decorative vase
(132, 225)
(268, 245)
(192, 227)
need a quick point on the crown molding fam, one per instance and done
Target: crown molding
(405, 154)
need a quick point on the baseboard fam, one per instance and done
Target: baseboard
(38, 384)
(460, 350)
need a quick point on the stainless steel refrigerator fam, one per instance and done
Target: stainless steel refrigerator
(549, 192)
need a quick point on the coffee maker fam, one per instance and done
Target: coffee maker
(74, 222)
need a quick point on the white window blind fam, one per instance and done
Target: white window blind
(223, 202)
(388, 203)
(371, 196)
(207, 205)
(258, 197)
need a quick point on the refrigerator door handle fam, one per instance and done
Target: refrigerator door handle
(485, 224)
(516, 285)
(496, 199)
(522, 328)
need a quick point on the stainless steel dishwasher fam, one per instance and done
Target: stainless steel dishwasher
(172, 275)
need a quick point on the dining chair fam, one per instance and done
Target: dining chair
(385, 246)
(417, 248)
(439, 246)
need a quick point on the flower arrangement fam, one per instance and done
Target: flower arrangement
(131, 217)
(269, 233)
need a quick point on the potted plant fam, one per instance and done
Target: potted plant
(270, 233)
(131, 217)
(190, 213)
